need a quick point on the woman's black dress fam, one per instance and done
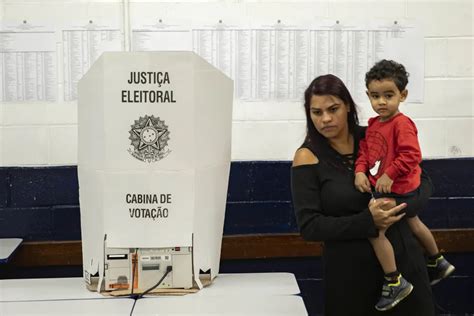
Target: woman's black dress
(329, 208)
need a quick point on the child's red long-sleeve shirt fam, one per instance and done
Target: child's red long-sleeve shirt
(391, 147)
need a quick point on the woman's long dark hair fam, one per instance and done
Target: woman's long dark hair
(327, 85)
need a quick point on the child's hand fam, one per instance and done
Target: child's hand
(361, 182)
(384, 184)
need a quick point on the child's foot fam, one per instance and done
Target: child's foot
(439, 269)
(393, 293)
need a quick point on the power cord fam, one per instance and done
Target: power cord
(168, 270)
(139, 296)
(134, 262)
(133, 307)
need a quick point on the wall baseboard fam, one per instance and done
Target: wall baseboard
(258, 246)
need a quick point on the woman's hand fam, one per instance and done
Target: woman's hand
(383, 219)
(389, 203)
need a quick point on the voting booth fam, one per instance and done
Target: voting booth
(153, 167)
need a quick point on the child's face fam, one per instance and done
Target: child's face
(385, 98)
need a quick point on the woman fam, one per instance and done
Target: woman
(329, 208)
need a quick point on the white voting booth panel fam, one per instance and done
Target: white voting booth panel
(154, 158)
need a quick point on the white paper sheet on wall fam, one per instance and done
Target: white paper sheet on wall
(404, 43)
(278, 62)
(266, 62)
(81, 48)
(160, 36)
(27, 65)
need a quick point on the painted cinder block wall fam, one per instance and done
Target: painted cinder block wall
(45, 134)
(41, 204)
(38, 141)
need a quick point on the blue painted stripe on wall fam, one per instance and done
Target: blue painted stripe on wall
(260, 217)
(259, 181)
(43, 186)
(66, 222)
(4, 187)
(249, 181)
(43, 204)
(27, 223)
(451, 177)
(449, 213)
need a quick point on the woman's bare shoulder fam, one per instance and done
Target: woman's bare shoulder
(304, 156)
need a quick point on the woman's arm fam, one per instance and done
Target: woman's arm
(314, 225)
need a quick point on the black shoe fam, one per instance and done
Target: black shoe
(393, 293)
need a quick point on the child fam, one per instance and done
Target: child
(391, 154)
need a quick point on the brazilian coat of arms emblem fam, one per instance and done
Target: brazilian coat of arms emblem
(149, 139)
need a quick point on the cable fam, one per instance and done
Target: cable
(168, 270)
(136, 297)
(133, 307)
(134, 262)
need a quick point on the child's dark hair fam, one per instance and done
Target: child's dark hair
(388, 69)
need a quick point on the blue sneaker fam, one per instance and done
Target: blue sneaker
(393, 293)
(439, 270)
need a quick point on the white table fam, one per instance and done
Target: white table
(7, 247)
(243, 294)
(45, 289)
(117, 306)
(238, 284)
(192, 305)
(251, 284)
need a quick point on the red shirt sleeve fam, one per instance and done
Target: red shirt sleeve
(362, 162)
(407, 149)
